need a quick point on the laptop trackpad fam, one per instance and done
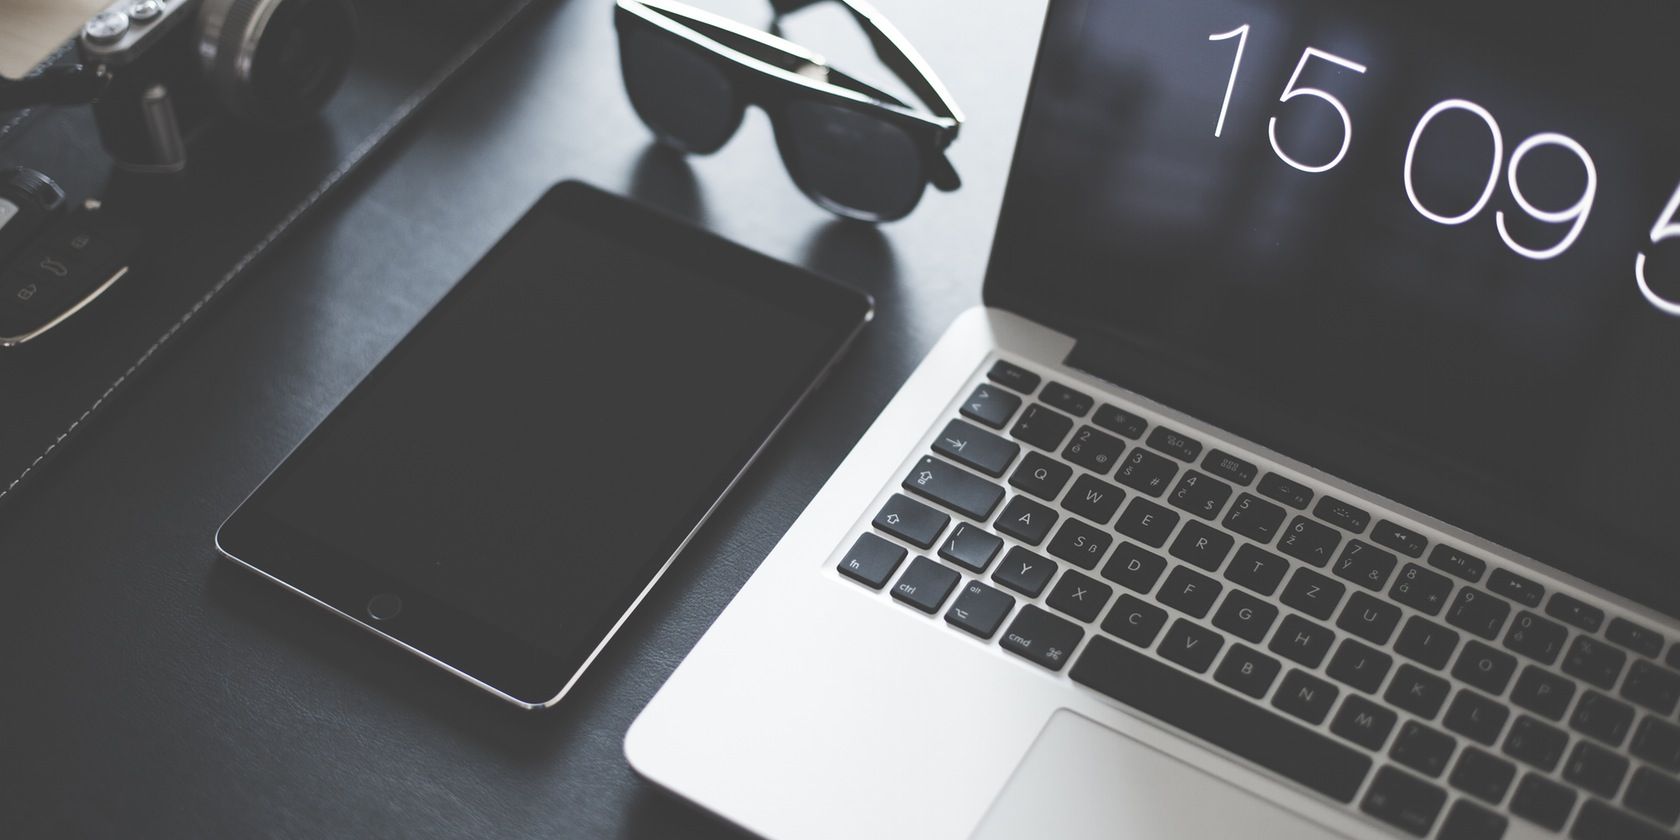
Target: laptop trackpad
(1083, 781)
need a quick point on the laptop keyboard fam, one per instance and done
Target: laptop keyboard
(1415, 681)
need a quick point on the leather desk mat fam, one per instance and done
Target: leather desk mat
(154, 690)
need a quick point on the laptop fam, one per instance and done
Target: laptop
(1311, 468)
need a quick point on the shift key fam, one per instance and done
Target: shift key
(953, 487)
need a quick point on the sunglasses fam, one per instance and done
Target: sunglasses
(853, 149)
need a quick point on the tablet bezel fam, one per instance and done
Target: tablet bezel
(486, 655)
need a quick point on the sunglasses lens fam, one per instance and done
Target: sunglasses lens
(685, 98)
(851, 162)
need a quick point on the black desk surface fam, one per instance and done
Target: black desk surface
(152, 689)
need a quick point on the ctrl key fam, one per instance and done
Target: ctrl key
(1403, 801)
(1042, 638)
(872, 561)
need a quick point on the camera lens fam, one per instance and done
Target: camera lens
(276, 61)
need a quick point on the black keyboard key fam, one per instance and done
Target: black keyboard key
(1202, 495)
(1519, 589)
(1483, 775)
(1042, 427)
(1369, 618)
(1601, 717)
(1457, 563)
(1421, 589)
(1200, 545)
(1422, 640)
(1223, 719)
(1543, 802)
(1176, 444)
(925, 585)
(1302, 641)
(1422, 749)
(1094, 450)
(1024, 571)
(1286, 490)
(1468, 821)
(1257, 569)
(1342, 514)
(1247, 670)
(1657, 742)
(1041, 638)
(1389, 535)
(1229, 467)
(1146, 472)
(1040, 476)
(1079, 596)
(969, 444)
(1476, 717)
(1416, 691)
(1094, 499)
(1057, 395)
(1485, 667)
(1365, 564)
(1403, 801)
(1363, 722)
(1654, 795)
(1011, 376)
(1652, 686)
(1305, 696)
(1080, 544)
(1310, 542)
(1543, 692)
(1245, 616)
(1120, 422)
(1255, 518)
(1478, 612)
(1190, 645)
(1536, 743)
(1313, 594)
(1147, 522)
(992, 406)
(1135, 620)
(953, 487)
(1359, 666)
(979, 609)
(911, 521)
(970, 547)
(1189, 591)
(1595, 769)
(1594, 661)
(1134, 568)
(1641, 640)
(1570, 611)
(1026, 520)
(1537, 638)
(872, 561)
(1598, 821)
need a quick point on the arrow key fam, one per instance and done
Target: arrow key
(968, 444)
(911, 521)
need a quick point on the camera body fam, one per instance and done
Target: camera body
(172, 65)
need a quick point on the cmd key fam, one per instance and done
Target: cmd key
(1403, 801)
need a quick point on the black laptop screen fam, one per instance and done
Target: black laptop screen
(1432, 247)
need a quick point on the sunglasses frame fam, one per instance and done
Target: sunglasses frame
(770, 72)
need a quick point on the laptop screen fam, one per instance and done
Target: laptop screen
(1430, 247)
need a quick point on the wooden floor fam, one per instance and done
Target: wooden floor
(30, 29)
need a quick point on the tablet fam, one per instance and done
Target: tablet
(510, 481)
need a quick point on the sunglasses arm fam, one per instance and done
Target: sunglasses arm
(894, 51)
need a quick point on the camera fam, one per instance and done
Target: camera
(169, 66)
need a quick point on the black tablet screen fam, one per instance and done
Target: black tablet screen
(544, 441)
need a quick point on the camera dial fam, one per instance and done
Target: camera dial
(106, 27)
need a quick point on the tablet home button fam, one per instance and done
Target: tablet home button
(384, 606)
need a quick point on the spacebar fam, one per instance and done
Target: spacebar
(1221, 718)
